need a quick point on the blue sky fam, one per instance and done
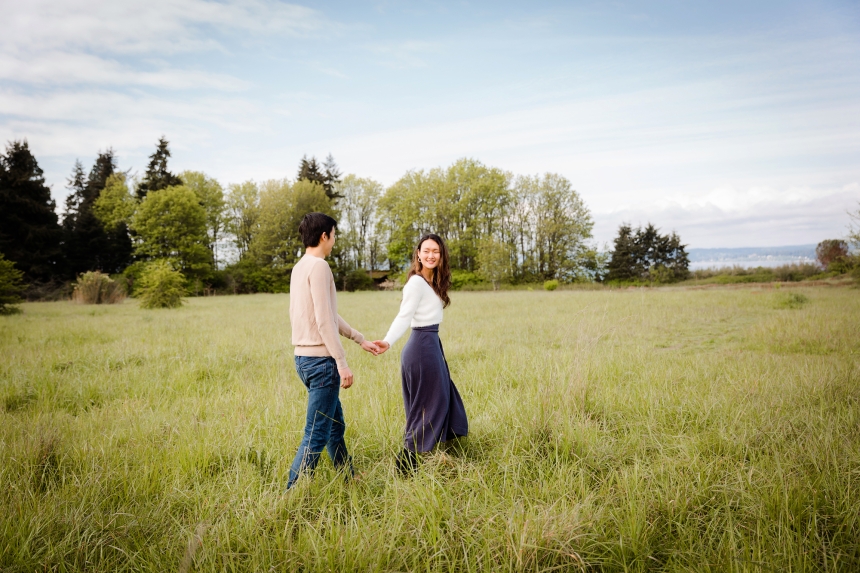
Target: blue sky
(733, 123)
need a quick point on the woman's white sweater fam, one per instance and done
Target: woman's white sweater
(420, 307)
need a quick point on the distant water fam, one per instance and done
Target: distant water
(750, 257)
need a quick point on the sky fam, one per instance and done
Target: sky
(734, 124)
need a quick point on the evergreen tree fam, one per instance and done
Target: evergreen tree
(157, 175)
(29, 230)
(645, 254)
(11, 286)
(331, 178)
(77, 183)
(309, 169)
(628, 260)
(328, 174)
(87, 245)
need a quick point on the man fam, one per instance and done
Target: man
(320, 358)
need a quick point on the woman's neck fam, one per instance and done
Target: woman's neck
(427, 274)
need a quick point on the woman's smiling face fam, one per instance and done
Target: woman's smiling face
(429, 254)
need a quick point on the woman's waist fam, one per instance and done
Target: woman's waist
(425, 328)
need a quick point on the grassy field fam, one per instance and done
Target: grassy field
(632, 430)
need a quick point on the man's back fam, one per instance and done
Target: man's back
(313, 302)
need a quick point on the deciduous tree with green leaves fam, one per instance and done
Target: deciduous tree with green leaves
(115, 205)
(463, 203)
(276, 245)
(243, 210)
(494, 262)
(211, 196)
(830, 251)
(357, 228)
(171, 224)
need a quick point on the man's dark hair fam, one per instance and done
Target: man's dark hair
(313, 226)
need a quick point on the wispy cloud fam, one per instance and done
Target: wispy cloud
(155, 26)
(403, 54)
(732, 217)
(57, 69)
(703, 128)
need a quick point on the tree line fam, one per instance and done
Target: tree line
(500, 227)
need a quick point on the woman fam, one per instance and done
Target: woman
(434, 409)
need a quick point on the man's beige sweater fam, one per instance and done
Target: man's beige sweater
(313, 312)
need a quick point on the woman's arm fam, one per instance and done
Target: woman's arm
(408, 306)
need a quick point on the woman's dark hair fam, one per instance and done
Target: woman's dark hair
(441, 281)
(313, 226)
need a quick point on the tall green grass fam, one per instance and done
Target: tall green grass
(635, 430)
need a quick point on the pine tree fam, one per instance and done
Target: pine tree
(309, 169)
(87, 245)
(77, 184)
(645, 254)
(331, 178)
(29, 232)
(328, 175)
(157, 175)
(624, 262)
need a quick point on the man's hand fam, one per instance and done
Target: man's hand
(345, 377)
(382, 345)
(371, 347)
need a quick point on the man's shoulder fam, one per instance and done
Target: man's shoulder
(316, 267)
(310, 262)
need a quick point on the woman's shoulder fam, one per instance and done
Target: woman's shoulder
(416, 280)
(416, 284)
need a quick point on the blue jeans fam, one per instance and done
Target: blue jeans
(324, 426)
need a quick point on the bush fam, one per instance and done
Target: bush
(359, 279)
(131, 275)
(160, 286)
(246, 277)
(97, 288)
(11, 286)
(460, 279)
(791, 300)
(550, 285)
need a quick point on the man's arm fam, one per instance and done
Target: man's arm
(327, 323)
(349, 332)
(354, 335)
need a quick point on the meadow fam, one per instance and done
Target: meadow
(660, 429)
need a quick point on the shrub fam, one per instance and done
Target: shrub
(550, 285)
(97, 288)
(460, 279)
(246, 277)
(791, 300)
(11, 286)
(160, 286)
(131, 275)
(359, 279)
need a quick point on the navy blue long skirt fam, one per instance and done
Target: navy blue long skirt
(434, 409)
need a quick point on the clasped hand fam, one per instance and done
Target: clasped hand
(376, 347)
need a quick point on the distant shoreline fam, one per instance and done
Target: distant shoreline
(750, 257)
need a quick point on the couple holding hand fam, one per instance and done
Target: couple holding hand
(434, 409)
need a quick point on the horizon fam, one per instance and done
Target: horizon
(734, 125)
